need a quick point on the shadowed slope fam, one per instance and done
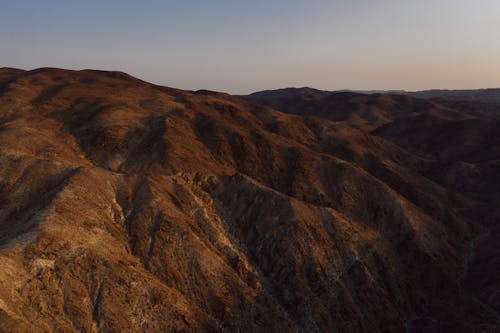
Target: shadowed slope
(363, 111)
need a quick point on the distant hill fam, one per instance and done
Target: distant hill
(477, 95)
(490, 95)
(362, 111)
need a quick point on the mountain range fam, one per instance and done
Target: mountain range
(128, 206)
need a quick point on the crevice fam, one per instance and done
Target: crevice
(96, 304)
(155, 227)
(47, 94)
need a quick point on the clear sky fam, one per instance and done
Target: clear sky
(248, 45)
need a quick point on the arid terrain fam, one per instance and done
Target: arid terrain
(131, 207)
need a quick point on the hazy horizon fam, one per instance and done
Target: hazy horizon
(241, 47)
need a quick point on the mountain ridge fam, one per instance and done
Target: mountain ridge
(484, 95)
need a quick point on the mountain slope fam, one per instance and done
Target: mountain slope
(362, 111)
(457, 149)
(129, 206)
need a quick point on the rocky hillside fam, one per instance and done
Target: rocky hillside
(127, 206)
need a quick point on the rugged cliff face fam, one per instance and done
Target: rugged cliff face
(127, 206)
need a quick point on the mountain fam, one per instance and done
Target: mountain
(128, 206)
(491, 96)
(370, 109)
(485, 96)
(458, 139)
(362, 111)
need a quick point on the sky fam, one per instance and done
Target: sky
(245, 46)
